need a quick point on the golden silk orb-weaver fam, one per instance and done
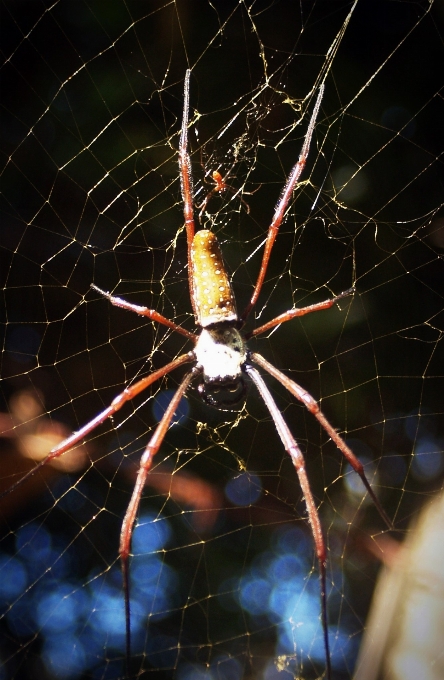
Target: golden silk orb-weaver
(220, 361)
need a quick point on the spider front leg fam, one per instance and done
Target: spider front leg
(305, 398)
(297, 458)
(186, 180)
(282, 204)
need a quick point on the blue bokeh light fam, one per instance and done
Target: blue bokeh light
(151, 533)
(293, 540)
(276, 587)
(254, 595)
(107, 618)
(63, 608)
(64, 656)
(286, 566)
(13, 578)
(76, 622)
(428, 461)
(152, 580)
(244, 489)
(33, 543)
(298, 604)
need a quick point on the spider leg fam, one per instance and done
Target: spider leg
(186, 180)
(299, 463)
(282, 205)
(298, 311)
(310, 403)
(144, 311)
(117, 403)
(131, 512)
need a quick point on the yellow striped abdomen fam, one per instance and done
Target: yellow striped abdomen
(212, 294)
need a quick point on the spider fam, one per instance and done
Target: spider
(221, 360)
(220, 186)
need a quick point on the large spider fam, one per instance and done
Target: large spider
(221, 359)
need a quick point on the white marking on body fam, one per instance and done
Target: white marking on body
(220, 353)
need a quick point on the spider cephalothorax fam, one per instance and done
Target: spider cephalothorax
(221, 360)
(221, 354)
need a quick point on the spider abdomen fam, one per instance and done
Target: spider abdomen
(211, 289)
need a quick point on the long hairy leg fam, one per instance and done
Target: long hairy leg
(130, 515)
(311, 404)
(282, 205)
(297, 458)
(117, 403)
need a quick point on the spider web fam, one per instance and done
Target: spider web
(224, 580)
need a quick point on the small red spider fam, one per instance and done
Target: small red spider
(221, 360)
(220, 187)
